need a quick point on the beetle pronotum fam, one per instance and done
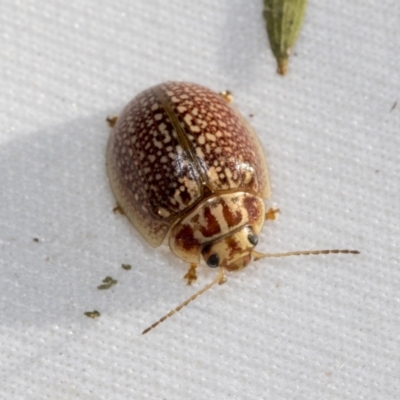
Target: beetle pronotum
(184, 164)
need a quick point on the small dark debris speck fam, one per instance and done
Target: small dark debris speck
(126, 267)
(108, 282)
(92, 314)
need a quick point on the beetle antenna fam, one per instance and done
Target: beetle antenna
(258, 255)
(219, 279)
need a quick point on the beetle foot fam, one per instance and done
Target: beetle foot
(227, 96)
(111, 121)
(223, 279)
(118, 210)
(191, 275)
(271, 214)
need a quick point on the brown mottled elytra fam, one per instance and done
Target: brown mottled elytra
(184, 164)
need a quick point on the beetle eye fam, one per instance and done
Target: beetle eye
(213, 261)
(253, 239)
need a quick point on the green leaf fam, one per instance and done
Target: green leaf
(284, 19)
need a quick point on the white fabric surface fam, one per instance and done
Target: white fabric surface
(324, 327)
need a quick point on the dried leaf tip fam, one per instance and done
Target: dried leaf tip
(284, 19)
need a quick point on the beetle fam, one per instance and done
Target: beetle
(184, 164)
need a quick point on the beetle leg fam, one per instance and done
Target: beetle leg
(112, 120)
(191, 275)
(118, 210)
(270, 214)
(227, 96)
(222, 279)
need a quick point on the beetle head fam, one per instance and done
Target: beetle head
(232, 252)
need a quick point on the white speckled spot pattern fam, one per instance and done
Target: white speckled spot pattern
(228, 152)
(174, 145)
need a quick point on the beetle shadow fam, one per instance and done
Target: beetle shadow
(59, 236)
(244, 43)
